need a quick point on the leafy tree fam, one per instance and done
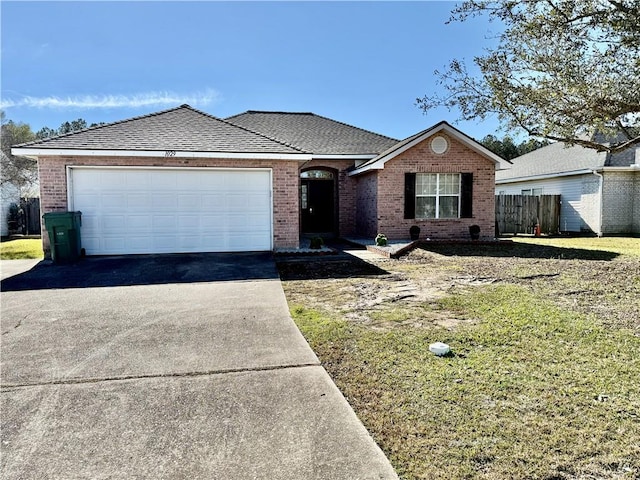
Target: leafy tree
(69, 127)
(562, 70)
(531, 144)
(19, 171)
(65, 127)
(46, 132)
(508, 149)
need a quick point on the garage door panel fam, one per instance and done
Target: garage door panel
(110, 179)
(247, 180)
(188, 201)
(113, 223)
(237, 203)
(90, 223)
(115, 244)
(257, 197)
(113, 200)
(137, 180)
(164, 200)
(187, 222)
(212, 201)
(160, 180)
(140, 223)
(193, 181)
(211, 222)
(139, 200)
(136, 244)
(88, 199)
(258, 221)
(163, 223)
(245, 242)
(90, 243)
(188, 242)
(133, 210)
(165, 243)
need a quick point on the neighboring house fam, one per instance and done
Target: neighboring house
(600, 192)
(184, 181)
(9, 194)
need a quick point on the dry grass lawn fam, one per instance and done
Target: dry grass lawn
(22, 248)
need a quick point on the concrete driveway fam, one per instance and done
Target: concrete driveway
(173, 366)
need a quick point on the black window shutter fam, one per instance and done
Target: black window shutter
(409, 195)
(466, 191)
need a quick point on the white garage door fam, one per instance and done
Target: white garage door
(162, 210)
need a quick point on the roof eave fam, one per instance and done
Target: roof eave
(57, 152)
(546, 176)
(344, 156)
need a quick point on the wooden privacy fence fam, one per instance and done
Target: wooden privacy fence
(521, 213)
(30, 216)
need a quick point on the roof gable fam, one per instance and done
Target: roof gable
(378, 162)
(183, 129)
(314, 133)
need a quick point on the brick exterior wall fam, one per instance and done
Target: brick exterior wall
(346, 196)
(286, 180)
(421, 159)
(587, 209)
(367, 205)
(621, 203)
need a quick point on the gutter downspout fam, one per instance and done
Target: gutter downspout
(600, 201)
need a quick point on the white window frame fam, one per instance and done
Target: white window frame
(437, 196)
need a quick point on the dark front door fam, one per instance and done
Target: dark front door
(318, 206)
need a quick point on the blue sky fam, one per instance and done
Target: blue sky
(362, 63)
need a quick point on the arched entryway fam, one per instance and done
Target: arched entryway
(318, 202)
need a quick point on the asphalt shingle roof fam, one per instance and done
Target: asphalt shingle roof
(553, 159)
(183, 129)
(314, 133)
(558, 158)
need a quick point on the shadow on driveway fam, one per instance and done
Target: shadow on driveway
(112, 271)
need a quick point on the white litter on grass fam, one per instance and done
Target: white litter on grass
(439, 348)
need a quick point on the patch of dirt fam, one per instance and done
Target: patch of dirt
(389, 293)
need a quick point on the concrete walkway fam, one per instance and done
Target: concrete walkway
(202, 375)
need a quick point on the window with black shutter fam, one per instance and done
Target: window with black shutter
(409, 195)
(438, 195)
(466, 195)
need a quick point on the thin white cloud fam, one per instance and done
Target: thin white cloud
(149, 99)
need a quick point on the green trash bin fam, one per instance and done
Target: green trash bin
(64, 235)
